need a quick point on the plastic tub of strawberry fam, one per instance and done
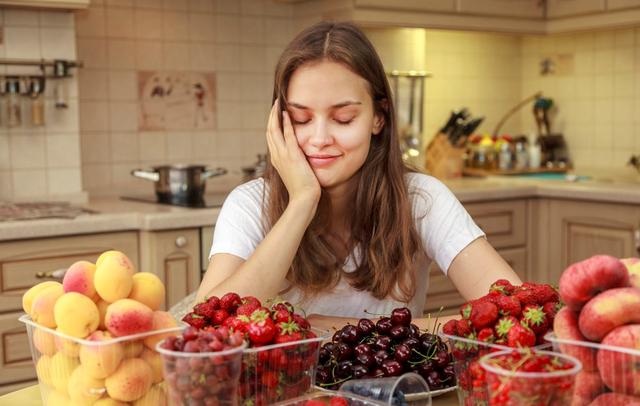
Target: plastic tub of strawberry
(507, 317)
(202, 366)
(327, 398)
(530, 377)
(282, 355)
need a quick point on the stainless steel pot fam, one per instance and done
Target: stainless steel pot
(179, 184)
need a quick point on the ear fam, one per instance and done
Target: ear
(378, 123)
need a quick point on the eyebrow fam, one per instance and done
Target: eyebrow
(335, 106)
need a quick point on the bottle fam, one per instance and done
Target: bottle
(522, 154)
(37, 101)
(535, 154)
(505, 157)
(13, 103)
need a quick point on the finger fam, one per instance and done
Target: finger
(289, 135)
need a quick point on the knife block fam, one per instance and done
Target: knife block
(443, 160)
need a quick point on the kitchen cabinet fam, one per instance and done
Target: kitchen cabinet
(206, 239)
(578, 230)
(47, 4)
(174, 256)
(20, 263)
(505, 225)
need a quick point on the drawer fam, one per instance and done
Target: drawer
(16, 364)
(504, 222)
(21, 260)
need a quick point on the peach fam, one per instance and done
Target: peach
(44, 342)
(565, 326)
(133, 349)
(113, 278)
(619, 370)
(100, 361)
(102, 309)
(154, 397)
(43, 370)
(84, 389)
(61, 369)
(155, 362)
(633, 267)
(109, 402)
(76, 315)
(127, 316)
(67, 346)
(29, 295)
(585, 279)
(148, 289)
(615, 399)
(161, 320)
(55, 398)
(608, 310)
(131, 380)
(79, 278)
(43, 303)
(588, 385)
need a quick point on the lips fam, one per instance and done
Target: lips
(319, 161)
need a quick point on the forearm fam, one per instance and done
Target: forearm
(263, 273)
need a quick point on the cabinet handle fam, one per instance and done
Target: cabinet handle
(181, 241)
(636, 235)
(56, 274)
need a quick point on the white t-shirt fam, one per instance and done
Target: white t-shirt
(444, 226)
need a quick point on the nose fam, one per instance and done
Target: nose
(321, 135)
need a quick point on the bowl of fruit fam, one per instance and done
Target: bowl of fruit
(507, 317)
(388, 347)
(282, 353)
(530, 377)
(330, 399)
(202, 366)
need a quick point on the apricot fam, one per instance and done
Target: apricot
(43, 304)
(633, 267)
(154, 397)
(131, 380)
(102, 309)
(565, 326)
(608, 310)
(148, 289)
(55, 398)
(585, 279)
(44, 341)
(29, 295)
(84, 389)
(67, 346)
(43, 370)
(102, 360)
(76, 315)
(109, 402)
(133, 349)
(161, 320)
(79, 278)
(155, 362)
(127, 316)
(113, 278)
(61, 369)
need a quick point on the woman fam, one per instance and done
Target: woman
(339, 226)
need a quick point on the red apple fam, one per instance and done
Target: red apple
(619, 370)
(565, 326)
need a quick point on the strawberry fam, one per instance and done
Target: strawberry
(486, 335)
(237, 323)
(230, 302)
(251, 300)
(214, 302)
(195, 320)
(261, 328)
(465, 310)
(464, 327)
(508, 306)
(503, 286)
(450, 327)
(535, 318)
(504, 325)
(520, 336)
(313, 402)
(281, 315)
(302, 322)
(526, 295)
(491, 297)
(204, 309)
(246, 309)
(338, 401)
(551, 309)
(269, 379)
(546, 293)
(483, 314)
(287, 332)
(219, 316)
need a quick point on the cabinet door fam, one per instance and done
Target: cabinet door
(21, 261)
(507, 8)
(504, 222)
(206, 239)
(579, 230)
(175, 257)
(16, 364)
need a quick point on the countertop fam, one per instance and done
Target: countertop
(30, 396)
(114, 214)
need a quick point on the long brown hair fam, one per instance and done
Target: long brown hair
(383, 225)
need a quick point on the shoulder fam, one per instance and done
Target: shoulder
(249, 191)
(425, 188)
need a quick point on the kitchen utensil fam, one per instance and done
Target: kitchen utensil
(179, 184)
(541, 113)
(36, 91)
(14, 112)
(60, 92)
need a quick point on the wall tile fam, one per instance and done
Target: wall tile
(60, 19)
(176, 56)
(93, 84)
(252, 7)
(202, 56)
(64, 181)
(6, 186)
(93, 52)
(148, 24)
(123, 85)
(252, 59)
(122, 54)
(120, 23)
(91, 22)
(227, 28)
(181, 5)
(28, 152)
(5, 153)
(63, 151)
(153, 146)
(202, 27)
(124, 147)
(204, 145)
(119, 3)
(623, 59)
(277, 31)
(97, 178)
(178, 147)
(123, 116)
(151, 4)
(175, 26)
(207, 6)
(227, 58)
(62, 120)
(58, 43)
(252, 30)
(227, 7)
(22, 42)
(149, 55)
(29, 183)
(95, 147)
(20, 18)
(94, 116)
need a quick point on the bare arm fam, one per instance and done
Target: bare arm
(476, 267)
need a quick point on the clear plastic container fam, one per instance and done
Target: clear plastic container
(609, 372)
(394, 390)
(517, 388)
(80, 371)
(326, 396)
(471, 384)
(280, 371)
(202, 377)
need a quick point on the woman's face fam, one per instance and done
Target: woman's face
(333, 117)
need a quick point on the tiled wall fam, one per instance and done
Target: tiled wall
(598, 98)
(40, 162)
(238, 40)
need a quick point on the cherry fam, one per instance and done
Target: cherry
(366, 327)
(398, 332)
(367, 360)
(362, 349)
(391, 367)
(414, 331)
(382, 342)
(401, 316)
(384, 325)
(380, 356)
(343, 352)
(350, 334)
(411, 342)
(343, 370)
(402, 353)
(359, 371)
(324, 355)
